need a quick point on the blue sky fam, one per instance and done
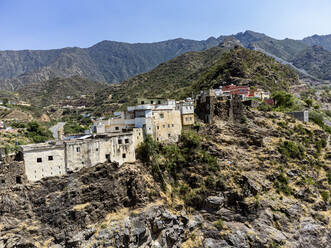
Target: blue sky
(46, 24)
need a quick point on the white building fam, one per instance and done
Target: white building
(56, 158)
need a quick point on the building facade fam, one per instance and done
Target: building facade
(163, 119)
(57, 158)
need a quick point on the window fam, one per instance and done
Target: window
(119, 141)
(107, 156)
(168, 125)
(97, 149)
(169, 135)
(3, 181)
(152, 102)
(159, 102)
(157, 139)
(161, 116)
(117, 128)
(158, 127)
(50, 158)
(142, 102)
(123, 155)
(172, 125)
(126, 141)
(163, 126)
(39, 160)
(77, 149)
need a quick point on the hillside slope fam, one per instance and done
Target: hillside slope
(110, 61)
(107, 61)
(191, 72)
(55, 90)
(319, 40)
(230, 185)
(316, 60)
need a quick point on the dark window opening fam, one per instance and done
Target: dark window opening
(142, 102)
(126, 141)
(3, 181)
(39, 160)
(108, 156)
(97, 149)
(50, 158)
(18, 180)
(123, 155)
(119, 141)
(117, 128)
(78, 149)
(159, 102)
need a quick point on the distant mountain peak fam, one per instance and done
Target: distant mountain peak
(230, 42)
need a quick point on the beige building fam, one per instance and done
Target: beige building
(58, 158)
(186, 109)
(163, 119)
(44, 160)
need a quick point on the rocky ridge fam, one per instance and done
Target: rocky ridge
(238, 185)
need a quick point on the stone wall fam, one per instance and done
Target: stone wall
(167, 125)
(44, 161)
(205, 107)
(12, 174)
(208, 107)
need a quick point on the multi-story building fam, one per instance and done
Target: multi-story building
(56, 158)
(163, 119)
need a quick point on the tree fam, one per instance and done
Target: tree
(309, 102)
(283, 99)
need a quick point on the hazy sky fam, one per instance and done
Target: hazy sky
(45, 24)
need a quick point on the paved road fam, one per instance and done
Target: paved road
(56, 128)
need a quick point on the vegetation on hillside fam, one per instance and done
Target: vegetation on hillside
(186, 75)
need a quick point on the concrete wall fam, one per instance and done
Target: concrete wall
(301, 115)
(44, 162)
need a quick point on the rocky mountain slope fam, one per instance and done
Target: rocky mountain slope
(264, 182)
(319, 40)
(111, 62)
(55, 90)
(106, 61)
(315, 60)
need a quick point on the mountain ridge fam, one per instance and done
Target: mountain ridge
(114, 61)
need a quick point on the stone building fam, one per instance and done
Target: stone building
(163, 119)
(208, 105)
(11, 174)
(57, 158)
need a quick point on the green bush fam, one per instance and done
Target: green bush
(148, 150)
(73, 128)
(283, 99)
(290, 149)
(219, 224)
(282, 184)
(37, 133)
(264, 107)
(325, 195)
(190, 140)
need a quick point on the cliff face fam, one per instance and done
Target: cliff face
(243, 184)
